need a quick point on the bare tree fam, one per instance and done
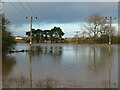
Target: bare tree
(95, 21)
(97, 26)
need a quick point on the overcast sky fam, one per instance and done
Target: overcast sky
(67, 15)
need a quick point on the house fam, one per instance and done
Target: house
(18, 37)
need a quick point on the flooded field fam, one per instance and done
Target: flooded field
(67, 65)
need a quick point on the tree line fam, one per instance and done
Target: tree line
(41, 36)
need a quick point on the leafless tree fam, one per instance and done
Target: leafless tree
(97, 25)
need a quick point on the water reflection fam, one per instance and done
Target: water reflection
(34, 50)
(100, 57)
(39, 50)
(61, 61)
(8, 63)
(30, 64)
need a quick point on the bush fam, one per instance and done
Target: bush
(8, 41)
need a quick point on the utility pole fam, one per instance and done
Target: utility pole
(30, 62)
(31, 30)
(77, 37)
(110, 20)
(31, 20)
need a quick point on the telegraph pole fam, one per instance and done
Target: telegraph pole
(110, 20)
(77, 38)
(30, 30)
(31, 20)
(30, 62)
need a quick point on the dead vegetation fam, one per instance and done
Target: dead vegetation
(50, 82)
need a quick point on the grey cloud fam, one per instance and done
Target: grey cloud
(60, 12)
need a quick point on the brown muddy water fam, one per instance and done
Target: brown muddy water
(83, 66)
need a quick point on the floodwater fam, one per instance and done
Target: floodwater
(92, 66)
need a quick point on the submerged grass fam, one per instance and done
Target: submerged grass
(50, 82)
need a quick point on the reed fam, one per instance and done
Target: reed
(50, 82)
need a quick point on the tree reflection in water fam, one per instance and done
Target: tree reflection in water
(100, 57)
(51, 50)
(37, 51)
(96, 58)
(8, 63)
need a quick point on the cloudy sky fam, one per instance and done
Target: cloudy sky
(70, 16)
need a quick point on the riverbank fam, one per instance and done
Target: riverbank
(65, 43)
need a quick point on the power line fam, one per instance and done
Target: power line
(30, 8)
(24, 7)
(17, 8)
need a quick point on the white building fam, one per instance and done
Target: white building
(18, 37)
